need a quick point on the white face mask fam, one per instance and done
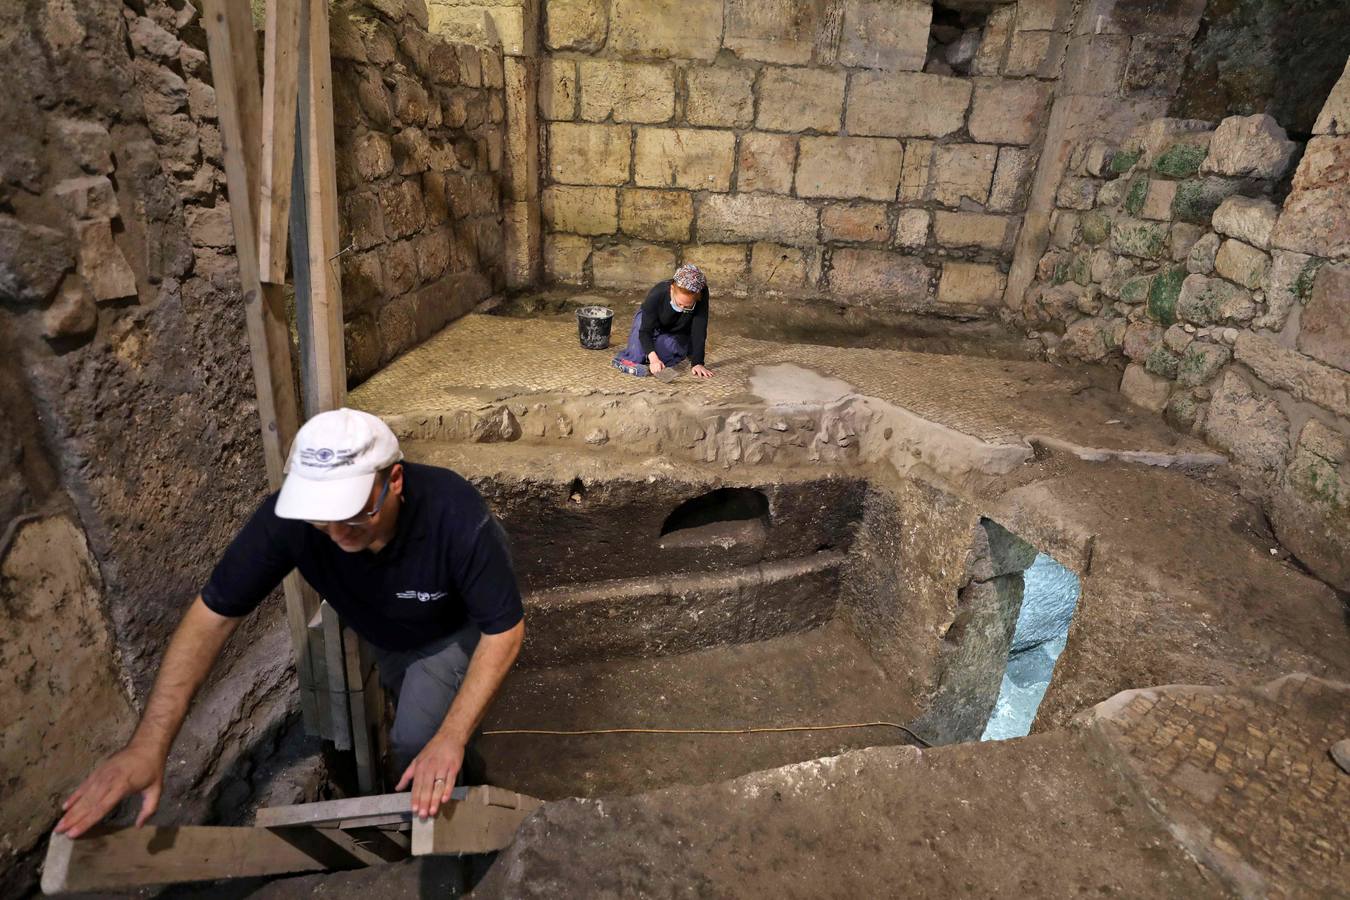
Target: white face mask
(677, 307)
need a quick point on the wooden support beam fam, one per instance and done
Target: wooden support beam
(324, 356)
(335, 663)
(368, 778)
(484, 821)
(280, 96)
(125, 858)
(234, 70)
(351, 812)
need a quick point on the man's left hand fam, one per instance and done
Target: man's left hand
(432, 775)
(703, 371)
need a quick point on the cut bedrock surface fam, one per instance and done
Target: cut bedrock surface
(820, 676)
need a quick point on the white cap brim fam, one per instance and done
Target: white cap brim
(330, 500)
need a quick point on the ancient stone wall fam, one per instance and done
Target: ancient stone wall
(420, 140)
(1179, 253)
(872, 152)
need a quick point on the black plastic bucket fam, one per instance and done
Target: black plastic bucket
(593, 325)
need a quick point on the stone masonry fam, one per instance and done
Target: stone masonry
(837, 148)
(420, 152)
(1177, 254)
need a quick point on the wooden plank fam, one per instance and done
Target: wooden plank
(485, 821)
(357, 810)
(280, 96)
(367, 774)
(336, 665)
(126, 858)
(324, 360)
(319, 674)
(234, 70)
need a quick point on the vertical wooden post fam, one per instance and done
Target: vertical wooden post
(281, 72)
(324, 363)
(234, 69)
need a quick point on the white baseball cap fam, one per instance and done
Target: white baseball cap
(332, 465)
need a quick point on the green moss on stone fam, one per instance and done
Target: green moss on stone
(1162, 362)
(1196, 200)
(1080, 269)
(1096, 227)
(1180, 161)
(1136, 289)
(1134, 199)
(1303, 282)
(1125, 160)
(1201, 362)
(1144, 240)
(1162, 295)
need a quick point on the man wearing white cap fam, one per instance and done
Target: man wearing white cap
(411, 558)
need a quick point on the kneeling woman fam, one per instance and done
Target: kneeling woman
(671, 325)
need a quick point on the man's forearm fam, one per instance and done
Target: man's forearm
(192, 651)
(491, 660)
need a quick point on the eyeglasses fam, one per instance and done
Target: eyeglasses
(362, 519)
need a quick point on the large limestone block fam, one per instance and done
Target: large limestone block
(765, 162)
(1281, 367)
(1311, 514)
(914, 173)
(684, 157)
(911, 227)
(1335, 115)
(969, 284)
(656, 215)
(1007, 111)
(581, 210)
(62, 706)
(879, 275)
(731, 218)
(1287, 282)
(1249, 426)
(666, 29)
(962, 172)
(1249, 219)
(784, 270)
(993, 50)
(1325, 327)
(773, 31)
(634, 265)
(565, 257)
(958, 229)
(558, 89)
(849, 167)
(1316, 216)
(1213, 301)
(885, 34)
(800, 100)
(906, 104)
(1249, 146)
(1011, 177)
(724, 265)
(861, 223)
(588, 154)
(1144, 389)
(720, 96)
(484, 26)
(576, 24)
(630, 92)
(1241, 263)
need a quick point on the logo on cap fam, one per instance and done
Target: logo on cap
(326, 458)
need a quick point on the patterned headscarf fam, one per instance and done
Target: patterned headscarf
(690, 278)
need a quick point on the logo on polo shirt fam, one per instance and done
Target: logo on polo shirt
(422, 596)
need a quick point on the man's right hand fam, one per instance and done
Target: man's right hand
(124, 773)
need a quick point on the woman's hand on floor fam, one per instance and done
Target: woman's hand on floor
(703, 372)
(655, 364)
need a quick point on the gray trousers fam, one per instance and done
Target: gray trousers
(425, 681)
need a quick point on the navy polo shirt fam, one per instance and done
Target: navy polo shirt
(447, 565)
